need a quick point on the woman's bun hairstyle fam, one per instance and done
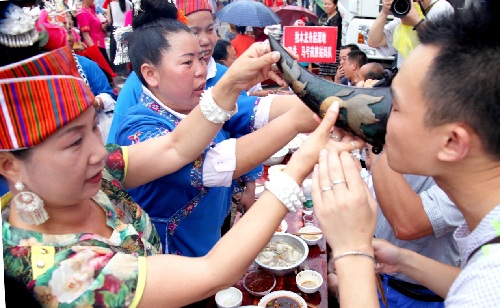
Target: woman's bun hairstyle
(152, 10)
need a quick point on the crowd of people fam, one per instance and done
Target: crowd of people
(133, 222)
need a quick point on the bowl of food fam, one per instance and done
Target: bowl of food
(283, 299)
(259, 282)
(229, 298)
(276, 158)
(309, 236)
(283, 254)
(309, 281)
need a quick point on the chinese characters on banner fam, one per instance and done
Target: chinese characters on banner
(312, 44)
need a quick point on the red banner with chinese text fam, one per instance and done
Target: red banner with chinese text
(312, 44)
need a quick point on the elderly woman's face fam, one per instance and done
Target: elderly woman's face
(66, 167)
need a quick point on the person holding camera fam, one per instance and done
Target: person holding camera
(392, 37)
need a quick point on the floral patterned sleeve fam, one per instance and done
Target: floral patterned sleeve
(116, 162)
(92, 276)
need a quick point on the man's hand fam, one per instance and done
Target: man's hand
(386, 6)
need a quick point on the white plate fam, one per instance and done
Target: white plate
(284, 226)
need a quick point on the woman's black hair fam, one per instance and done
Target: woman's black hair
(241, 29)
(123, 7)
(148, 41)
(21, 154)
(152, 10)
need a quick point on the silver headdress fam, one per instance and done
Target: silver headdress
(120, 35)
(56, 9)
(137, 6)
(18, 28)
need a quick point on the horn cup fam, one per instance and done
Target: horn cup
(363, 111)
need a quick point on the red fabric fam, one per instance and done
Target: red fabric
(241, 43)
(193, 6)
(105, 4)
(94, 54)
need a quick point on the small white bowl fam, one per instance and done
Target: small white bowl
(311, 240)
(259, 189)
(277, 157)
(283, 227)
(276, 294)
(274, 169)
(229, 298)
(309, 281)
(296, 142)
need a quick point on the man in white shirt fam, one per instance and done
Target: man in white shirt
(381, 34)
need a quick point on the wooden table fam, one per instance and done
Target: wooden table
(316, 260)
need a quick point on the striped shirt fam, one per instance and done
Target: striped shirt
(478, 284)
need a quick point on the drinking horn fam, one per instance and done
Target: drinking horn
(363, 111)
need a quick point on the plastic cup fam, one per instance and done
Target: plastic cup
(309, 220)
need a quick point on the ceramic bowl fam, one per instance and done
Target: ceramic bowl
(292, 240)
(286, 296)
(282, 227)
(229, 298)
(259, 189)
(259, 282)
(296, 142)
(311, 240)
(274, 169)
(309, 281)
(277, 157)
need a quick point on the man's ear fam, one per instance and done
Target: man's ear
(457, 143)
(149, 73)
(10, 166)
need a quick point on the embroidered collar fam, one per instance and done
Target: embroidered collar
(146, 91)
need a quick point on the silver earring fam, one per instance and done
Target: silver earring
(29, 206)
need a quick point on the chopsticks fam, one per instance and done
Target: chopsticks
(380, 289)
(308, 233)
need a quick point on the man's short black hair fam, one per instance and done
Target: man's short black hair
(358, 57)
(350, 46)
(463, 82)
(220, 51)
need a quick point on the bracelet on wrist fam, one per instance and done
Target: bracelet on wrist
(418, 24)
(352, 253)
(283, 187)
(212, 111)
(355, 253)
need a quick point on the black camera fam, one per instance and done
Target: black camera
(400, 8)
